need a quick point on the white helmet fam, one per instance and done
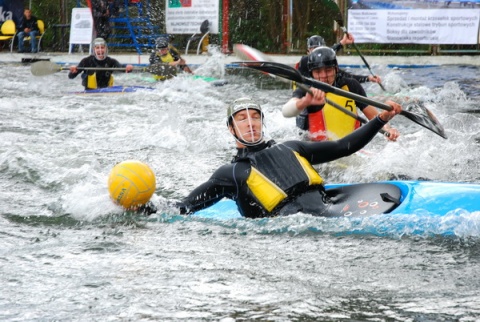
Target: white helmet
(241, 104)
(100, 42)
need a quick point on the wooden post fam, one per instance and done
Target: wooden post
(225, 31)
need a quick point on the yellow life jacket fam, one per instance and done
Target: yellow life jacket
(331, 123)
(92, 81)
(268, 182)
(168, 58)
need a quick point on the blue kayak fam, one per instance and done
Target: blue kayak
(388, 199)
(115, 90)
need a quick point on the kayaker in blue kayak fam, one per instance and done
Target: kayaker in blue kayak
(268, 179)
(94, 79)
(317, 41)
(324, 122)
(167, 54)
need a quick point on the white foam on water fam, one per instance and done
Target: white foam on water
(71, 142)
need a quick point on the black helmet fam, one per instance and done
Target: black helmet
(161, 43)
(322, 57)
(315, 41)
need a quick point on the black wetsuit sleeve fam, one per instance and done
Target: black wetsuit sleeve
(82, 63)
(299, 93)
(221, 184)
(358, 78)
(337, 47)
(115, 63)
(152, 59)
(325, 151)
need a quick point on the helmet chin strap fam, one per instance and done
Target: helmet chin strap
(241, 139)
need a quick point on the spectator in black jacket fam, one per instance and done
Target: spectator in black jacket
(28, 28)
(101, 16)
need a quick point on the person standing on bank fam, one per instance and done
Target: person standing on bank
(101, 16)
(93, 79)
(323, 121)
(267, 179)
(28, 28)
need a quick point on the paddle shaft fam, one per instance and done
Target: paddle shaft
(342, 109)
(339, 19)
(258, 55)
(427, 120)
(101, 68)
(355, 116)
(331, 89)
(363, 58)
(43, 68)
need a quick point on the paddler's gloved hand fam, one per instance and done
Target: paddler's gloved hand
(388, 115)
(147, 209)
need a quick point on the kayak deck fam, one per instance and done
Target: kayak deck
(131, 89)
(114, 90)
(392, 197)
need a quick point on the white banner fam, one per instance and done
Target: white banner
(81, 28)
(418, 26)
(186, 16)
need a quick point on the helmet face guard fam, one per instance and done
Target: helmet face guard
(245, 104)
(100, 48)
(316, 41)
(322, 57)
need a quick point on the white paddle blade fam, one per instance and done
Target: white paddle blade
(43, 68)
(248, 53)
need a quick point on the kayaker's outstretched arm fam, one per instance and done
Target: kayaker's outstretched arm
(267, 179)
(326, 151)
(218, 186)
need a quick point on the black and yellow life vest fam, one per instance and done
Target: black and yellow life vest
(92, 81)
(165, 59)
(331, 123)
(268, 182)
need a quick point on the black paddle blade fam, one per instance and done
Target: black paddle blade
(165, 70)
(423, 116)
(426, 119)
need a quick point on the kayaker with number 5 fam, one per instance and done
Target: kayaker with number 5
(256, 179)
(94, 79)
(322, 121)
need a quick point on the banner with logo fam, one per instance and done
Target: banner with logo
(12, 10)
(415, 22)
(186, 16)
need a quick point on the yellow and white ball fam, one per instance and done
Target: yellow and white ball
(131, 184)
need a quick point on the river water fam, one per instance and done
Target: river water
(68, 253)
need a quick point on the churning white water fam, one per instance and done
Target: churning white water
(68, 253)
